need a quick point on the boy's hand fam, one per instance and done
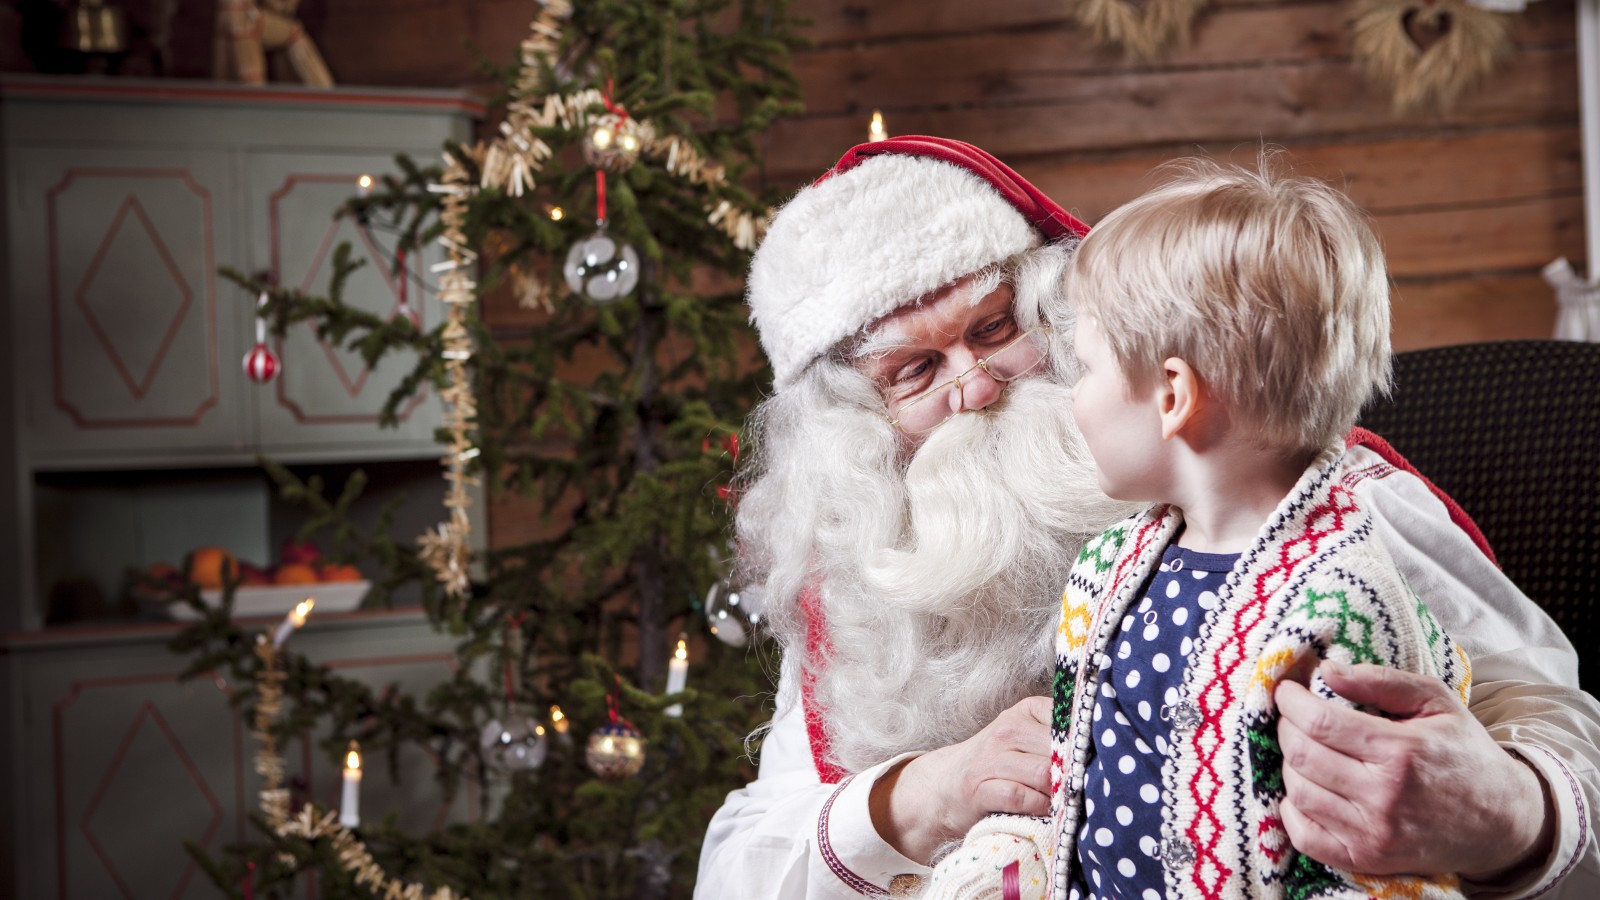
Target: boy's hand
(1427, 792)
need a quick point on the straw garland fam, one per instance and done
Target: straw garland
(1426, 52)
(511, 163)
(445, 550)
(311, 823)
(1143, 30)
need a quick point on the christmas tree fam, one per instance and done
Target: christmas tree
(617, 199)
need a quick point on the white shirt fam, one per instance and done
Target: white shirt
(765, 841)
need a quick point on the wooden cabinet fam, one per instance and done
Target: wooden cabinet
(122, 199)
(120, 763)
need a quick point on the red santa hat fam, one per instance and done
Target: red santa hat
(893, 221)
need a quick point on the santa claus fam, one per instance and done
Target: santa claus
(916, 497)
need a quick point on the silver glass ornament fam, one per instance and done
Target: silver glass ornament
(601, 268)
(515, 743)
(733, 613)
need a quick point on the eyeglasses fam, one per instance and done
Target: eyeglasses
(933, 408)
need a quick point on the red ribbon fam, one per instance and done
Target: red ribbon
(600, 194)
(612, 701)
(249, 880)
(614, 108)
(512, 622)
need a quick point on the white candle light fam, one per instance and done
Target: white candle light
(364, 186)
(875, 130)
(678, 675)
(350, 800)
(293, 620)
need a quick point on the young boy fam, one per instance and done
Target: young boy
(1230, 326)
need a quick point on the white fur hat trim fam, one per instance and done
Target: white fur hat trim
(862, 243)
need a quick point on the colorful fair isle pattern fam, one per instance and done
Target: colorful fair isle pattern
(1315, 585)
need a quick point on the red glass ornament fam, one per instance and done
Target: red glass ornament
(260, 364)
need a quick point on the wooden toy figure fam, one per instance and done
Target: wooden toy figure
(248, 29)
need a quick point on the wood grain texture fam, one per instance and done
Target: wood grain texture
(1469, 202)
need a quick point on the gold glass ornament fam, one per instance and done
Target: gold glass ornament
(613, 143)
(615, 751)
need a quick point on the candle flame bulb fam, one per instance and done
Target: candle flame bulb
(558, 720)
(556, 213)
(364, 185)
(295, 619)
(876, 131)
(678, 674)
(350, 797)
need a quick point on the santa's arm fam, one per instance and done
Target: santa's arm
(1526, 710)
(788, 836)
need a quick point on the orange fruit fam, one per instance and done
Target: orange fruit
(210, 566)
(296, 573)
(340, 573)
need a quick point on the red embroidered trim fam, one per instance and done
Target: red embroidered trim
(1208, 830)
(817, 652)
(1360, 437)
(835, 865)
(1011, 881)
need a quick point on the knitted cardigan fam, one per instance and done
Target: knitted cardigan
(1316, 584)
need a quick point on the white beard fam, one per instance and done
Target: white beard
(940, 579)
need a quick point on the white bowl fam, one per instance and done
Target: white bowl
(275, 600)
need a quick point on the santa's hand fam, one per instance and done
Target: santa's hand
(1425, 793)
(938, 796)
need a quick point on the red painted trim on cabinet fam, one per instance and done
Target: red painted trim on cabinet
(58, 710)
(375, 255)
(179, 91)
(61, 402)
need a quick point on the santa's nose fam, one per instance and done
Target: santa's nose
(979, 389)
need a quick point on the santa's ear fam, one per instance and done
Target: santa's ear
(1181, 395)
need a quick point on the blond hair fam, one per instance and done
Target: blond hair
(1272, 287)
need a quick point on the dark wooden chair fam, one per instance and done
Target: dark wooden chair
(1511, 430)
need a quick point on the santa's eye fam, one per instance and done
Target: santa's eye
(911, 377)
(996, 330)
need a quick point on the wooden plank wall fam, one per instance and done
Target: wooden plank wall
(1470, 203)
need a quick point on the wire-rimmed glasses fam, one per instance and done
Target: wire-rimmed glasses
(932, 408)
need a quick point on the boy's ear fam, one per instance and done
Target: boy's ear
(1181, 396)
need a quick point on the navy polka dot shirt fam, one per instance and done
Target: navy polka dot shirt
(1119, 851)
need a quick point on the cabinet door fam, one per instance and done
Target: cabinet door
(326, 401)
(118, 763)
(122, 332)
(124, 764)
